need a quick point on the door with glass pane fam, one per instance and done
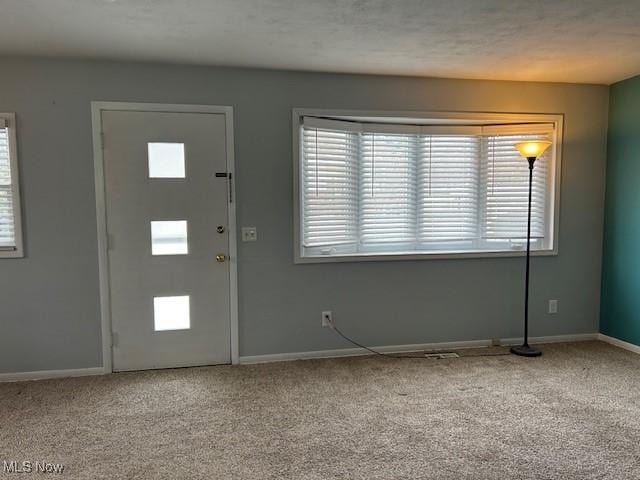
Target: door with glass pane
(167, 212)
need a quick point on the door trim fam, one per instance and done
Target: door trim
(97, 108)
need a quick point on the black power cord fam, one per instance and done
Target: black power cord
(390, 355)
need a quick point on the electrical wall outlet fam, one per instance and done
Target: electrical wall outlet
(249, 234)
(553, 306)
(327, 319)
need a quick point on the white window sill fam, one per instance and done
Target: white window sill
(11, 253)
(396, 257)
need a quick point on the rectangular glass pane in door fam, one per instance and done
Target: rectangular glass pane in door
(169, 238)
(171, 313)
(166, 160)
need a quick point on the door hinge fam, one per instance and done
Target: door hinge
(114, 339)
(102, 140)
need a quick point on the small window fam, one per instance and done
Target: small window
(448, 185)
(171, 313)
(166, 160)
(10, 218)
(169, 237)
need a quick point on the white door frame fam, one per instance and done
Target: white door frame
(105, 304)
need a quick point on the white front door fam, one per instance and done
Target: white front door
(167, 226)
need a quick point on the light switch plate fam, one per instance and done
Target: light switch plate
(249, 234)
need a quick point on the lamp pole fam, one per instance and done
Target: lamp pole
(524, 349)
(531, 151)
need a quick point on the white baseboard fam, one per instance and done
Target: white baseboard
(577, 337)
(343, 352)
(45, 374)
(619, 343)
(417, 347)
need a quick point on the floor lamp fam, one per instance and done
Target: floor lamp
(531, 151)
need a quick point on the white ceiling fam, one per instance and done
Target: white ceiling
(587, 41)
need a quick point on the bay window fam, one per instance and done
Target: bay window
(444, 185)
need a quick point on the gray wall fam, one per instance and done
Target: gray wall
(49, 314)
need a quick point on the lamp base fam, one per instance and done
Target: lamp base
(525, 351)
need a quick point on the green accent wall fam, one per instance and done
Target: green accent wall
(620, 305)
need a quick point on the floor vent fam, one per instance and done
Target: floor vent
(440, 356)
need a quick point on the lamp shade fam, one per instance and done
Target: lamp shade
(532, 149)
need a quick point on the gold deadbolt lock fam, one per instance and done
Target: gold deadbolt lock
(220, 229)
(221, 257)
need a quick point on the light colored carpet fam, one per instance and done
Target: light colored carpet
(572, 414)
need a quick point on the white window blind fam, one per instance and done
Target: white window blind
(447, 186)
(7, 226)
(506, 189)
(387, 188)
(401, 189)
(329, 188)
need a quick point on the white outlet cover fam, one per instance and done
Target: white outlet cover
(249, 234)
(553, 306)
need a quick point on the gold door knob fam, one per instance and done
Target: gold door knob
(221, 257)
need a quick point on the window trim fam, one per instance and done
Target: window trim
(9, 119)
(421, 118)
